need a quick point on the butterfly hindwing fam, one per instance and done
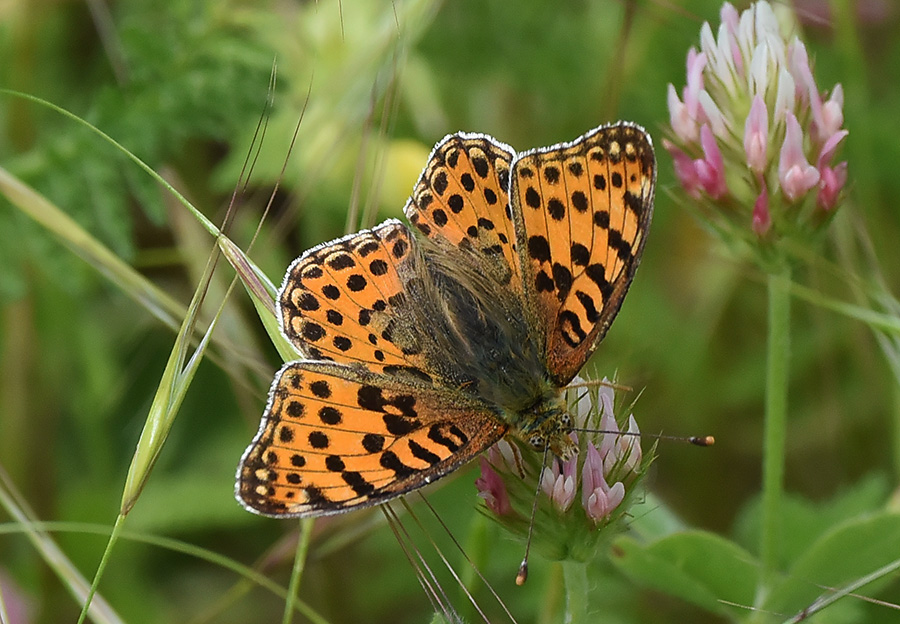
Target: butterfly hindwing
(336, 437)
(583, 210)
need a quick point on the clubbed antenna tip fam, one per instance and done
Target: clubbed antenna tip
(522, 574)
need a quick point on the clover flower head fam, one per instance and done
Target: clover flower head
(752, 127)
(601, 476)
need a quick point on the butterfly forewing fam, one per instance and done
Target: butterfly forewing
(462, 200)
(345, 300)
(337, 437)
(585, 209)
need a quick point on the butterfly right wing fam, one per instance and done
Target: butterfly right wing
(583, 210)
(336, 437)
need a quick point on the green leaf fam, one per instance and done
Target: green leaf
(696, 566)
(842, 555)
(803, 522)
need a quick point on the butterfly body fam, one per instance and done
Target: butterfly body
(423, 350)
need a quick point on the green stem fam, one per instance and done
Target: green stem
(779, 346)
(306, 526)
(576, 582)
(113, 538)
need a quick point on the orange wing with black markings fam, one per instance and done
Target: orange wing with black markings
(583, 210)
(461, 200)
(345, 300)
(425, 351)
(337, 437)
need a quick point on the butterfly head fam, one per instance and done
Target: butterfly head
(548, 425)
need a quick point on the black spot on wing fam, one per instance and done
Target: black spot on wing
(539, 248)
(373, 442)
(390, 461)
(420, 452)
(318, 440)
(358, 483)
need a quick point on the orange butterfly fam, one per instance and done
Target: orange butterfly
(422, 351)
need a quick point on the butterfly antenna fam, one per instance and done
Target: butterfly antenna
(522, 574)
(695, 440)
(593, 383)
(468, 560)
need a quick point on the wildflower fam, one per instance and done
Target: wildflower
(597, 497)
(559, 483)
(601, 477)
(795, 174)
(492, 490)
(752, 128)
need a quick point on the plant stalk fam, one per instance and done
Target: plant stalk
(306, 527)
(576, 583)
(777, 368)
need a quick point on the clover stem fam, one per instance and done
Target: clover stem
(778, 356)
(576, 583)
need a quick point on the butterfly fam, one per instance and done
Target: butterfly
(421, 350)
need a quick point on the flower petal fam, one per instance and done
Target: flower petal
(684, 169)
(682, 123)
(756, 135)
(711, 168)
(833, 112)
(591, 473)
(830, 148)
(715, 117)
(799, 61)
(795, 174)
(603, 501)
(786, 95)
(833, 181)
(762, 220)
(492, 489)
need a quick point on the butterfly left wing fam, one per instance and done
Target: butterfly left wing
(347, 300)
(338, 437)
(461, 202)
(582, 213)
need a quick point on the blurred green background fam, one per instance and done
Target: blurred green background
(183, 84)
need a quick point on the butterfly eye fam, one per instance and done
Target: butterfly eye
(565, 422)
(537, 442)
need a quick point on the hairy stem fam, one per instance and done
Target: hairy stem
(576, 583)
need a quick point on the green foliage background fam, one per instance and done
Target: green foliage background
(183, 84)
